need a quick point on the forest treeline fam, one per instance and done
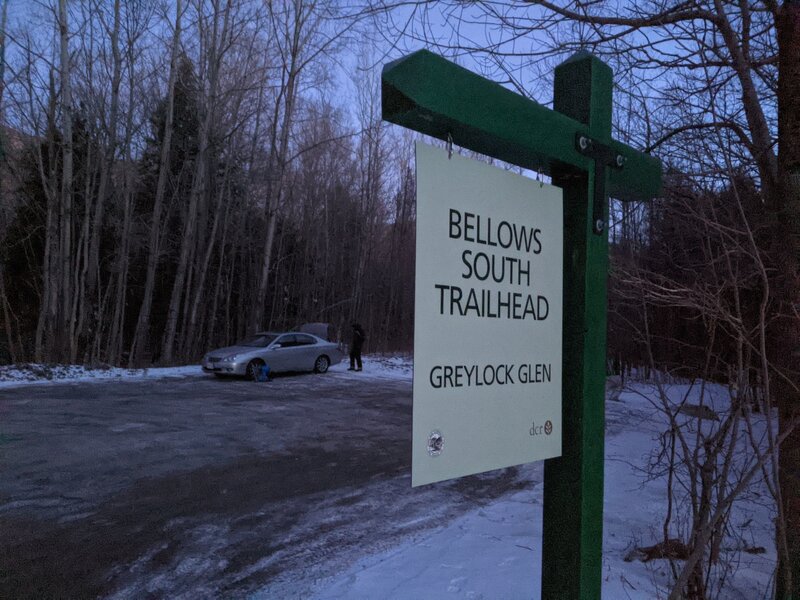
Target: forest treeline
(178, 175)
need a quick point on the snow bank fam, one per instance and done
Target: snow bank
(495, 551)
(379, 366)
(376, 366)
(28, 374)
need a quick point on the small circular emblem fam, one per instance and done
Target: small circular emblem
(435, 443)
(548, 427)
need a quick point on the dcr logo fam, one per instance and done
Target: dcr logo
(535, 429)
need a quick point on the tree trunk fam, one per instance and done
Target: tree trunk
(275, 190)
(82, 249)
(212, 315)
(92, 264)
(221, 207)
(199, 182)
(7, 317)
(65, 204)
(48, 310)
(141, 336)
(114, 350)
(787, 295)
(3, 21)
(279, 154)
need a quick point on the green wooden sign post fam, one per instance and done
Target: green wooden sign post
(573, 144)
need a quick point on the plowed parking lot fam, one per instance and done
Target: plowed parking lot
(201, 487)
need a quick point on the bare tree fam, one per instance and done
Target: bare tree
(141, 336)
(713, 447)
(4, 304)
(65, 216)
(91, 266)
(3, 26)
(208, 183)
(676, 66)
(300, 31)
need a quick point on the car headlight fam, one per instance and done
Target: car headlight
(230, 358)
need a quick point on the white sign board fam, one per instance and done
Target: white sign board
(488, 308)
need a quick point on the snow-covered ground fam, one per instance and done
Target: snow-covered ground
(30, 373)
(495, 551)
(380, 366)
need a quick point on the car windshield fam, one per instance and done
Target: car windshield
(257, 341)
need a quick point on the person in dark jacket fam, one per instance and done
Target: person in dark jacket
(355, 347)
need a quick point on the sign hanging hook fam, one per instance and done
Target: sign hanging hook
(449, 145)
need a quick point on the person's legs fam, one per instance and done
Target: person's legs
(358, 360)
(353, 360)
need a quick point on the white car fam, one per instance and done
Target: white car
(281, 352)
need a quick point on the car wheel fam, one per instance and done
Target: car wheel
(252, 369)
(321, 364)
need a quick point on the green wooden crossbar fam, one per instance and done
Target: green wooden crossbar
(434, 96)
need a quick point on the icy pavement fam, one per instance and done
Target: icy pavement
(199, 487)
